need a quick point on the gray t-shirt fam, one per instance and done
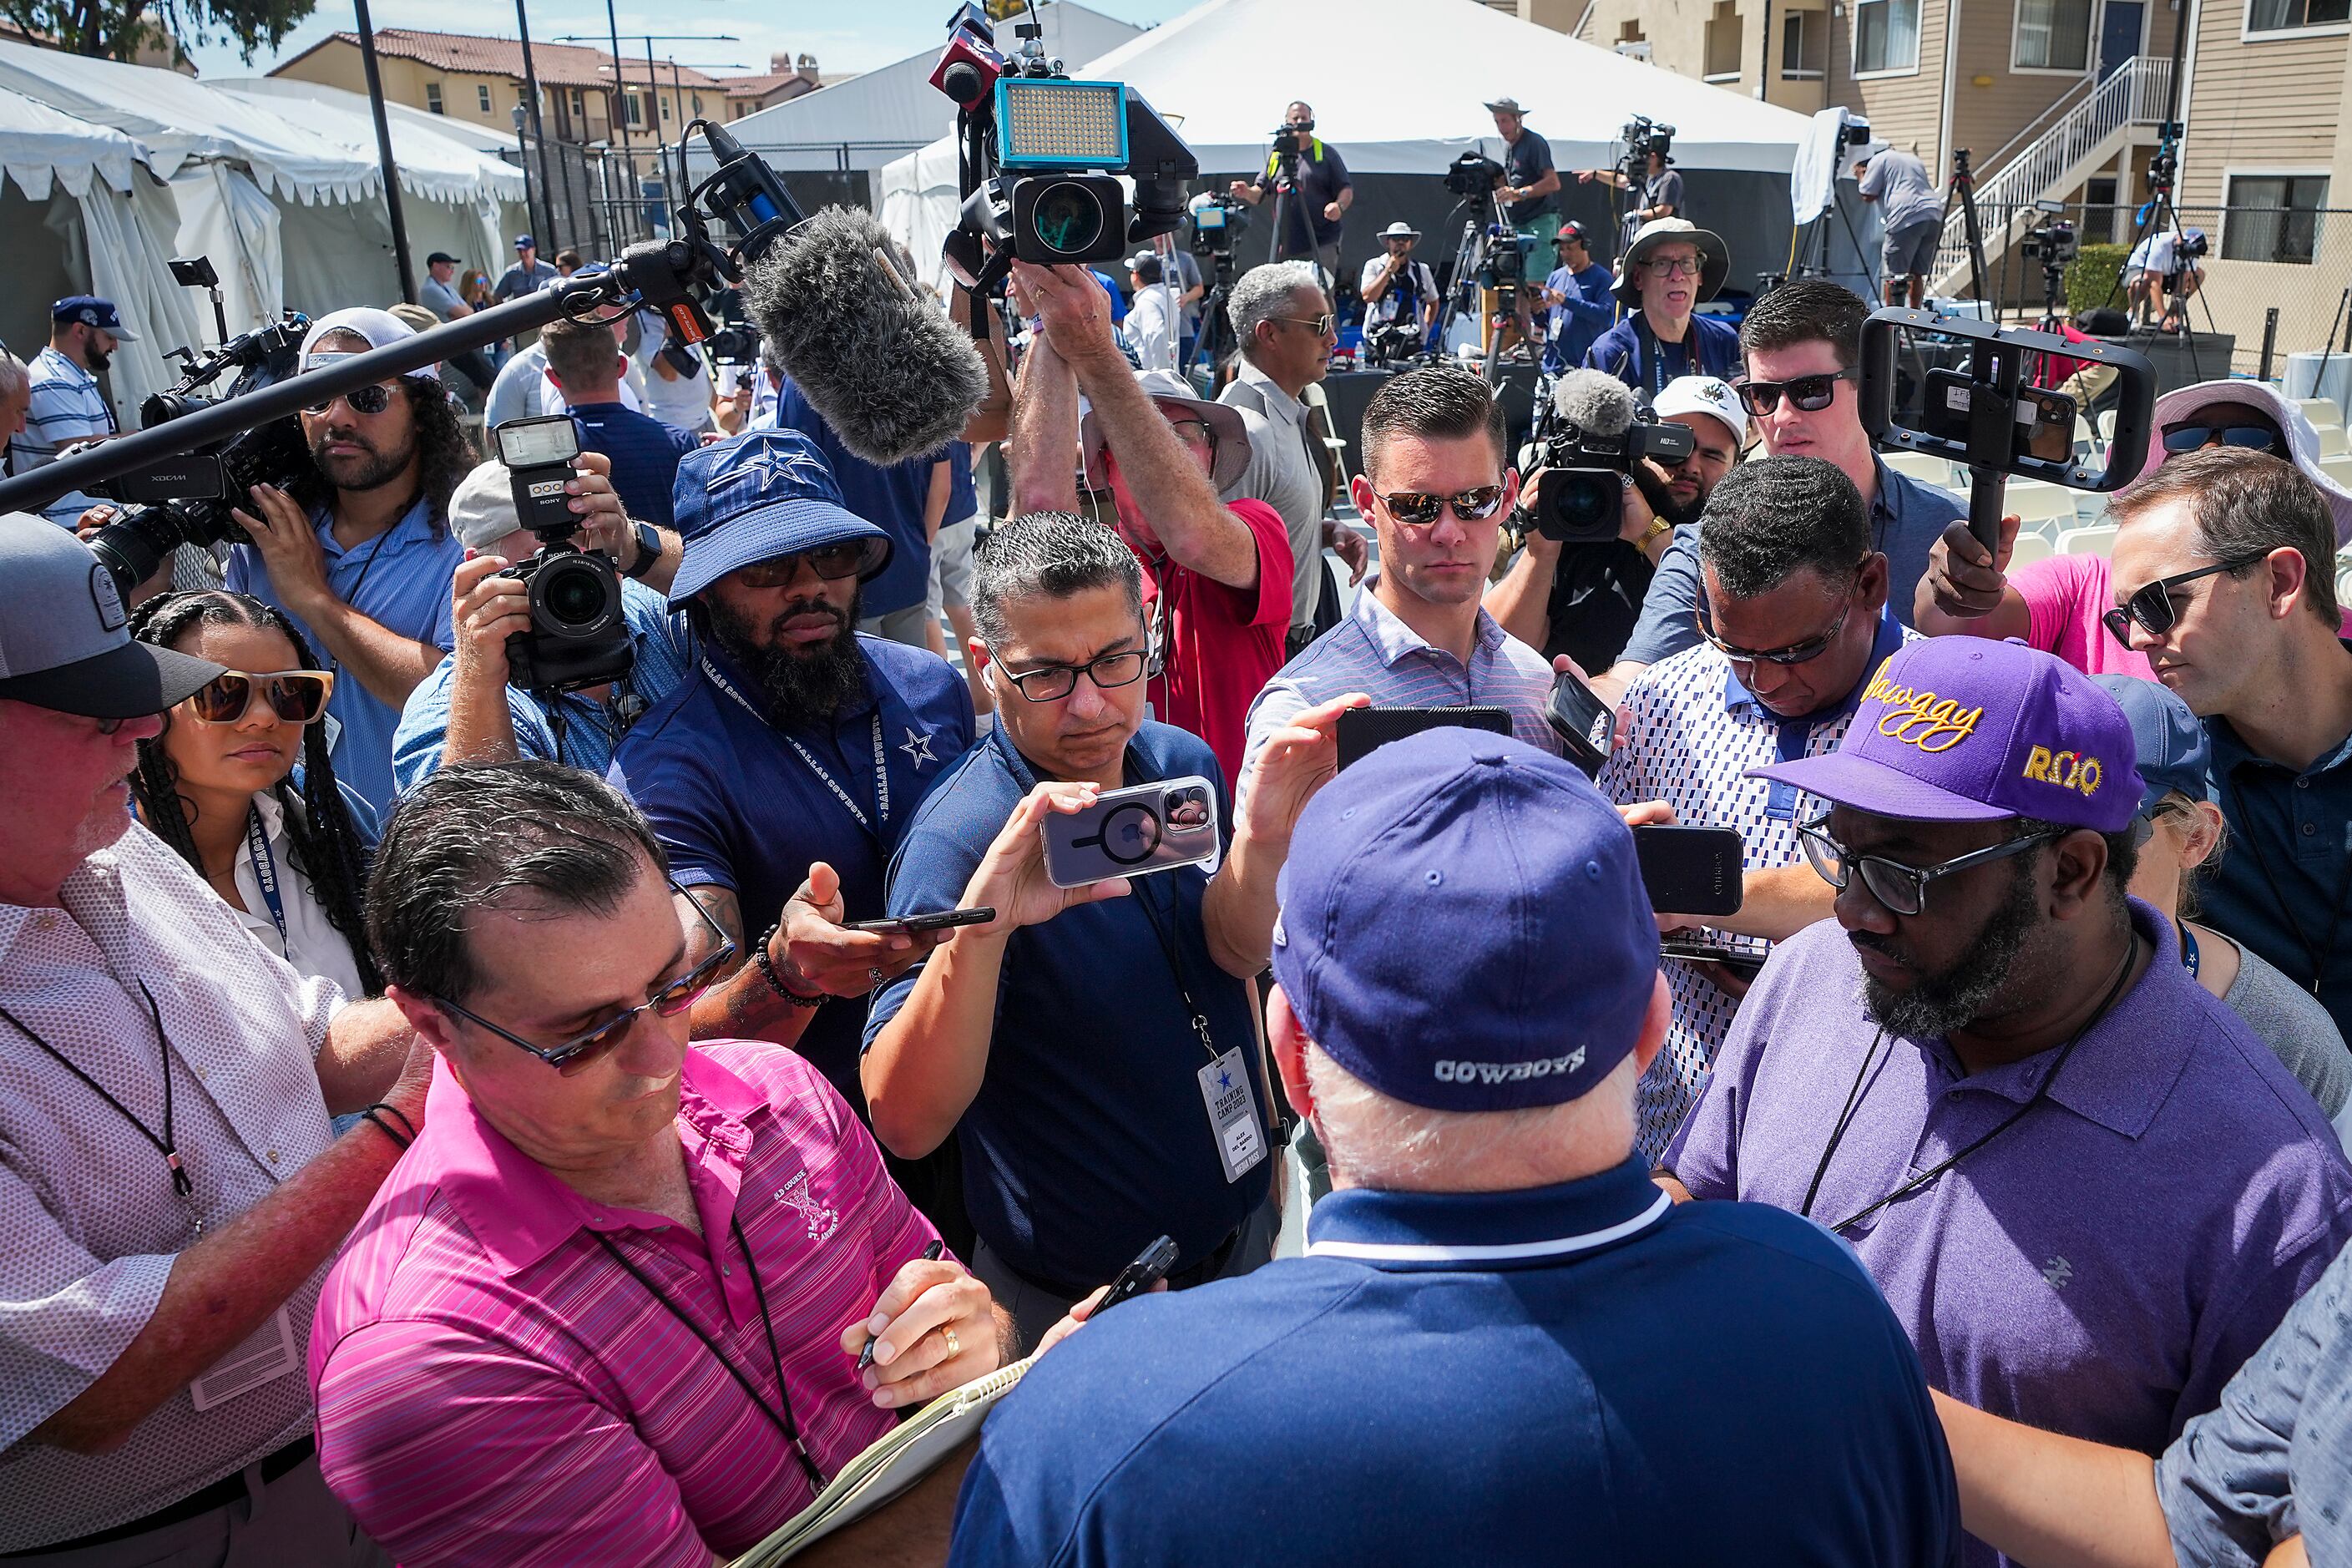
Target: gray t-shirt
(1898, 182)
(439, 298)
(2293, 1023)
(1282, 473)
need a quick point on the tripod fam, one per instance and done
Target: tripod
(1216, 333)
(1963, 189)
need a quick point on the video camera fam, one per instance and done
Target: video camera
(1392, 343)
(1217, 222)
(1853, 131)
(1587, 434)
(578, 635)
(1042, 156)
(1291, 142)
(1472, 174)
(1644, 136)
(2191, 245)
(2051, 242)
(188, 500)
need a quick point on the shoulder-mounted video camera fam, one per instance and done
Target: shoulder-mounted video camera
(1472, 174)
(578, 635)
(1579, 498)
(1217, 222)
(1644, 136)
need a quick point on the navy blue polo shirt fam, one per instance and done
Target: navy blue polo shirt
(1579, 1373)
(963, 498)
(645, 453)
(1088, 1136)
(737, 806)
(890, 499)
(2288, 872)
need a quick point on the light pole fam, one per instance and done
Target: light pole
(522, 157)
(531, 88)
(384, 158)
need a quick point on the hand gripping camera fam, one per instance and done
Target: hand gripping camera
(578, 635)
(1590, 433)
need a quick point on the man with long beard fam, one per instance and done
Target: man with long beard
(2085, 1188)
(781, 773)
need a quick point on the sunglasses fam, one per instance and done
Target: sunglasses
(296, 696)
(1051, 681)
(372, 398)
(1321, 325)
(577, 1053)
(1902, 888)
(2152, 605)
(2178, 438)
(1795, 653)
(852, 558)
(1419, 511)
(1810, 394)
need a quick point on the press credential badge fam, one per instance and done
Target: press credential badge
(1233, 1114)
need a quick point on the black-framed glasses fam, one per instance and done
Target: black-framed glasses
(1812, 394)
(1321, 324)
(1803, 652)
(850, 558)
(1420, 511)
(372, 398)
(1048, 682)
(1674, 266)
(1902, 888)
(2179, 438)
(2151, 605)
(577, 1053)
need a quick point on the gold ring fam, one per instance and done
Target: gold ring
(954, 1349)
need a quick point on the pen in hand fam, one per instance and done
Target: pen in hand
(932, 1253)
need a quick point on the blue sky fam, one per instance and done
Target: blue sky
(884, 30)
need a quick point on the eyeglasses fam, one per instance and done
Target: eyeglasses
(296, 696)
(2152, 605)
(1795, 653)
(372, 398)
(1049, 682)
(1674, 266)
(2178, 438)
(1902, 888)
(851, 558)
(1419, 511)
(577, 1053)
(1812, 394)
(1194, 432)
(1319, 325)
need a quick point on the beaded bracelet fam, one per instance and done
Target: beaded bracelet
(775, 983)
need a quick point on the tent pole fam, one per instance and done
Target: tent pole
(537, 131)
(384, 155)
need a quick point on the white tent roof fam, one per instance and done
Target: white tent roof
(448, 127)
(894, 110)
(1399, 86)
(431, 166)
(39, 145)
(178, 120)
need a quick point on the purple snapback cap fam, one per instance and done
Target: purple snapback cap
(1960, 729)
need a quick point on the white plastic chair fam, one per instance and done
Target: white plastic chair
(2337, 468)
(2031, 546)
(2331, 441)
(2096, 540)
(1920, 465)
(2035, 501)
(2323, 413)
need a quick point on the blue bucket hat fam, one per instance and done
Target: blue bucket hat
(1448, 841)
(763, 494)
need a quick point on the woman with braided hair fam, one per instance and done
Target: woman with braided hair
(285, 846)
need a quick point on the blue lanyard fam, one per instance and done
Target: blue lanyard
(881, 769)
(265, 871)
(2188, 948)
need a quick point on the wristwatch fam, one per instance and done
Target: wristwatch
(1658, 525)
(649, 549)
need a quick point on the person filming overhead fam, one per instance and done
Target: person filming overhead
(1671, 269)
(1310, 182)
(1914, 216)
(1661, 184)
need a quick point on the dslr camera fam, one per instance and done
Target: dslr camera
(578, 635)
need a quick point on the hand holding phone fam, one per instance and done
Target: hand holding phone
(937, 919)
(1133, 832)
(1150, 1268)
(1586, 725)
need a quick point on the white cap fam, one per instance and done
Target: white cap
(378, 329)
(1705, 395)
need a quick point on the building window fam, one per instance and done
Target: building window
(1805, 46)
(632, 109)
(1724, 36)
(1885, 36)
(2052, 35)
(697, 103)
(433, 98)
(2284, 15)
(2273, 217)
(665, 104)
(482, 94)
(579, 104)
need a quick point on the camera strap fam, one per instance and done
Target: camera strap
(881, 769)
(265, 873)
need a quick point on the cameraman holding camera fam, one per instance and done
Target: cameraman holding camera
(1309, 180)
(357, 552)
(1662, 186)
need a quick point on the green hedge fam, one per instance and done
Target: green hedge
(2091, 278)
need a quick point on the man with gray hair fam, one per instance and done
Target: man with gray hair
(1284, 322)
(16, 401)
(1474, 1332)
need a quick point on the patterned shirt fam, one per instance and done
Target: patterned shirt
(87, 1204)
(66, 407)
(477, 1318)
(1689, 732)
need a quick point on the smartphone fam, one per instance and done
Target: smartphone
(1133, 832)
(938, 920)
(1586, 726)
(1150, 1268)
(1690, 870)
(1364, 730)
(1743, 966)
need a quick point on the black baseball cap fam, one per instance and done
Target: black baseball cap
(65, 642)
(1571, 229)
(439, 257)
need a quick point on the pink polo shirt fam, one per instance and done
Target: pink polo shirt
(2064, 597)
(493, 1388)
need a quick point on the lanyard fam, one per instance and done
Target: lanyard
(165, 1144)
(2317, 955)
(1855, 1095)
(1654, 357)
(1175, 967)
(881, 772)
(785, 1423)
(2189, 957)
(264, 872)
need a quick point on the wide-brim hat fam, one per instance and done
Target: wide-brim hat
(764, 494)
(1224, 424)
(1398, 230)
(2302, 439)
(1713, 257)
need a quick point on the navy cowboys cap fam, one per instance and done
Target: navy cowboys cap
(760, 495)
(65, 643)
(1464, 925)
(91, 311)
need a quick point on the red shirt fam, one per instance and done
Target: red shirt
(1219, 645)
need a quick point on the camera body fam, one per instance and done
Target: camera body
(1217, 222)
(2191, 245)
(578, 635)
(1394, 342)
(2053, 243)
(1644, 136)
(1580, 499)
(1472, 174)
(1290, 141)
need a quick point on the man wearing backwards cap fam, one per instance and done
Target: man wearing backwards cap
(357, 551)
(68, 407)
(173, 1189)
(2085, 1188)
(1469, 1348)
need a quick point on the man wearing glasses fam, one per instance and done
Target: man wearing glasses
(358, 551)
(2084, 1186)
(2225, 580)
(628, 1280)
(1795, 621)
(1670, 270)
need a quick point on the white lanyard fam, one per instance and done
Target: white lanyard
(881, 773)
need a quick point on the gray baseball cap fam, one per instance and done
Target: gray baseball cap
(65, 642)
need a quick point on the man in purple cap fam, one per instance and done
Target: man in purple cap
(2084, 1186)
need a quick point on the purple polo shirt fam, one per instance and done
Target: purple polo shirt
(2101, 1268)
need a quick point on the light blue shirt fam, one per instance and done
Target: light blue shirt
(579, 732)
(399, 580)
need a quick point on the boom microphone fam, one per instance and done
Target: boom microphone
(1594, 402)
(873, 354)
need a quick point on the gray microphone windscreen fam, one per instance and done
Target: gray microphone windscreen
(1594, 402)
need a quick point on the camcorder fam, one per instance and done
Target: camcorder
(1644, 136)
(188, 500)
(1291, 142)
(1472, 174)
(1394, 342)
(1853, 131)
(1588, 433)
(1217, 222)
(1960, 389)
(1040, 158)
(578, 635)
(2051, 240)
